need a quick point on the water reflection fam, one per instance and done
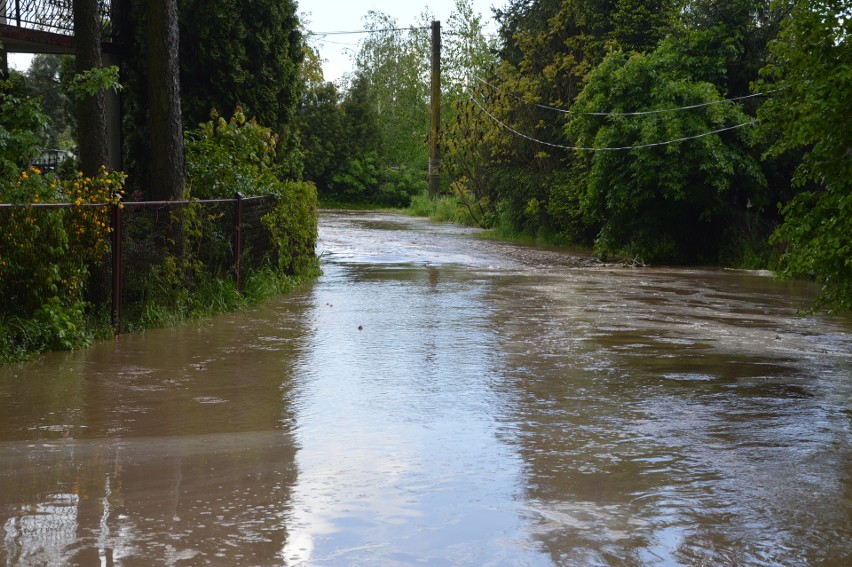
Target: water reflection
(399, 461)
(169, 447)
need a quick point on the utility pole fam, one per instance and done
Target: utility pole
(434, 133)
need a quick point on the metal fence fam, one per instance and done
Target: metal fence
(54, 16)
(226, 235)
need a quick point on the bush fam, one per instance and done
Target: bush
(226, 157)
(293, 225)
(45, 255)
(21, 122)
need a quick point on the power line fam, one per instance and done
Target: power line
(344, 43)
(586, 149)
(638, 113)
(356, 32)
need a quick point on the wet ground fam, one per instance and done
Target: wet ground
(439, 399)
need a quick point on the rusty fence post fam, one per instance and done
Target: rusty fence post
(238, 238)
(116, 266)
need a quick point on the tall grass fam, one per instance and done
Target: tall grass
(444, 208)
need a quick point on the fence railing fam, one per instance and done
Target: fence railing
(54, 16)
(145, 233)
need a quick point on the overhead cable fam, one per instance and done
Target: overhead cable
(590, 149)
(638, 113)
(355, 32)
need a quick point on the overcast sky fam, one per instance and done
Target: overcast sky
(334, 15)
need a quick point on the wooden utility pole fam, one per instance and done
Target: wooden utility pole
(435, 130)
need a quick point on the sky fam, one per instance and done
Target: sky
(334, 15)
(337, 15)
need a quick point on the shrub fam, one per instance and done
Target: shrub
(293, 225)
(45, 255)
(239, 155)
(225, 157)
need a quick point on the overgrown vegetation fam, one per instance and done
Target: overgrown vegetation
(703, 131)
(238, 54)
(365, 138)
(49, 257)
(45, 258)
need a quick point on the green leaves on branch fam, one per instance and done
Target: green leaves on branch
(237, 155)
(668, 201)
(92, 81)
(240, 155)
(21, 123)
(810, 110)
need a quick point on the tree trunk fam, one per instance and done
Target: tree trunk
(4, 63)
(91, 118)
(167, 174)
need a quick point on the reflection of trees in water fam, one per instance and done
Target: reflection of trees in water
(155, 448)
(220, 496)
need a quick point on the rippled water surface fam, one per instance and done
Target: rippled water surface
(439, 399)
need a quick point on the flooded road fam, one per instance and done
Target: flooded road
(439, 399)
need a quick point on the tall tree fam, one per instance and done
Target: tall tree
(811, 76)
(167, 165)
(393, 65)
(44, 80)
(246, 53)
(91, 129)
(322, 142)
(658, 200)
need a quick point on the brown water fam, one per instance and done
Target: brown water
(437, 399)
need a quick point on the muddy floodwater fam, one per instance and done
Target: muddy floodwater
(439, 399)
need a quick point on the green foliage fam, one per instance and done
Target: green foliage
(21, 125)
(817, 235)
(238, 155)
(293, 225)
(659, 202)
(45, 256)
(400, 184)
(92, 81)
(368, 142)
(226, 157)
(232, 53)
(245, 53)
(811, 70)
(323, 142)
(392, 65)
(359, 178)
(683, 201)
(45, 79)
(466, 54)
(444, 208)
